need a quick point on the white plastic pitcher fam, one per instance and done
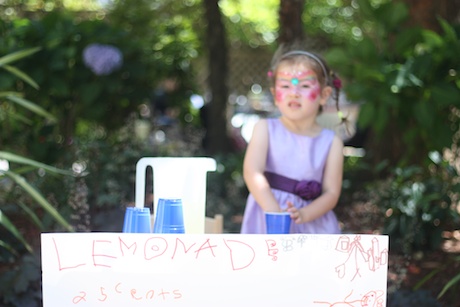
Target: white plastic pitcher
(177, 177)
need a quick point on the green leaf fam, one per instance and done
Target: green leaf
(449, 31)
(21, 75)
(90, 92)
(366, 8)
(32, 215)
(445, 94)
(366, 114)
(423, 66)
(432, 39)
(17, 55)
(22, 160)
(39, 199)
(5, 222)
(9, 93)
(31, 107)
(452, 282)
(336, 57)
(392, 14)
(423, 112)
(366, 51)
(60, 87)
(9, 248)
(18, 117)
(406, 40)
(381, 119)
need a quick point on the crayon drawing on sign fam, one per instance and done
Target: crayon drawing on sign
(358, 257)
(370, 299)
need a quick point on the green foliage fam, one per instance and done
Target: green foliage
(253, 23)
(169, 35)
(10, 101)
(420, 205)
(419, 298)
(157, 40)
(20, 285)
(451, 285)
(111, 164)
(407, 82)
(7, 100)
(226, 190)
(70, 90)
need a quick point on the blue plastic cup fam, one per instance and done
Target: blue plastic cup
(137, 220)
(169, 218)
(278, 222)
(128, 219)
(159, 216)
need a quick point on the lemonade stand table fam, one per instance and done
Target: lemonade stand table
(123, 269)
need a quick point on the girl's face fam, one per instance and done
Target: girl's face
(297, 88)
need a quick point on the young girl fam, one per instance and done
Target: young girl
(291, 163)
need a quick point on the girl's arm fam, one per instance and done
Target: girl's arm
(331, 187)
(254, 167)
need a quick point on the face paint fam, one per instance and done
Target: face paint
(296, 76)
(302, 83)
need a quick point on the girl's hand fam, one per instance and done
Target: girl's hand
(295, 213)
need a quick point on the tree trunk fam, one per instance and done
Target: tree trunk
(217, 139)
(290, 18)
(425, 13)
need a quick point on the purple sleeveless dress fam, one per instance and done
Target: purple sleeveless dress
(298, 157)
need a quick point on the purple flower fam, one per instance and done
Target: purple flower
(308, 190)
(102, 59)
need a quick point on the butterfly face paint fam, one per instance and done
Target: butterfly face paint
(303, 84)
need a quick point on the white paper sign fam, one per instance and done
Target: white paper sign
(120, 269)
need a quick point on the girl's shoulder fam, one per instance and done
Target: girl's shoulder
(267, 122)
(330, 136)
(272, 121)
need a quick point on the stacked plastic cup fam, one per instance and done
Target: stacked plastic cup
(169, 217)
(137, 220)
(278, 222)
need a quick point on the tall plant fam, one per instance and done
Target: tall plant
(11, 102)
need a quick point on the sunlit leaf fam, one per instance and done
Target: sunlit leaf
(22, 160)
(12, 57)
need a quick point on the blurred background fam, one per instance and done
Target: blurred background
(89, 87)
